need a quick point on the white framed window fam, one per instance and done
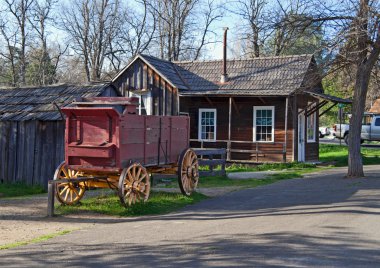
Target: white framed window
(263, 123)
(207, 124)
(145, 102)
(311, 123)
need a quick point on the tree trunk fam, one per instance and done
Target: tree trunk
(355, 162)
(256, 47)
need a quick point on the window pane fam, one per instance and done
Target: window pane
(207, 125)
(264, 124)
(310, 123)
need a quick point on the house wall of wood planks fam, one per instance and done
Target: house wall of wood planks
(242, 128)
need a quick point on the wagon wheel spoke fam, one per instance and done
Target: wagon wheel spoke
(75, 191)
(185, 182)
(134, 171)
(138, 195)
(128, 193)
(143, 177)
(138, 173)
(64, 189)
(65, 172)
(130, 177)
(67, 193)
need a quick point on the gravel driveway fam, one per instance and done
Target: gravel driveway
(319, 221)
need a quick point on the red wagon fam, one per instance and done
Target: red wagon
(108, 145)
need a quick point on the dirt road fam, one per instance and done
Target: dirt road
(319, 221)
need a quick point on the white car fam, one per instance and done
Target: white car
(324, 131)
(370, 129)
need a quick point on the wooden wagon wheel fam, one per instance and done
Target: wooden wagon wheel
(188, 174)
(68, 193)
(134, 185)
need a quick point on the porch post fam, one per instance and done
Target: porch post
(286, 130)
(295, 128)
(229, 130)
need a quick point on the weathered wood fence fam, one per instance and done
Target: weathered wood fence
(212, 157)
(30, 151)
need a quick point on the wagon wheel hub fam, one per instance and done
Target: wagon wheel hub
(136, 185)
(191, 172)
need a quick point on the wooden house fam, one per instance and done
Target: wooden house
(32, 129)
(260, 110)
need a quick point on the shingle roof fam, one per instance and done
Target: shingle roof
(167, 70)
(37, 103)
(266, 76)
(258, 76)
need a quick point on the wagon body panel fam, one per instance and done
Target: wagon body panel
(103, 140)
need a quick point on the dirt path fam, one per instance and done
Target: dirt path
(24, 218)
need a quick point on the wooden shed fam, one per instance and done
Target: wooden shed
(32, 129)
(260, 110)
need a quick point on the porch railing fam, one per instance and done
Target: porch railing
(256, 153)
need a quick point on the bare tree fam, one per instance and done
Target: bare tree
(15, 32)
(11, 53)
(290, 22)
(136, 31)
(39, 20)
(181, 32)
(251, 12)
(210, 13)
(90, 25)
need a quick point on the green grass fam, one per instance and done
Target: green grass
(158, 203)
(262, 167)
(338, 155)
(35, 240)
(224, 181)
(268, 166)
(19, 189)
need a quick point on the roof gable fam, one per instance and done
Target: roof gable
(163, 68)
